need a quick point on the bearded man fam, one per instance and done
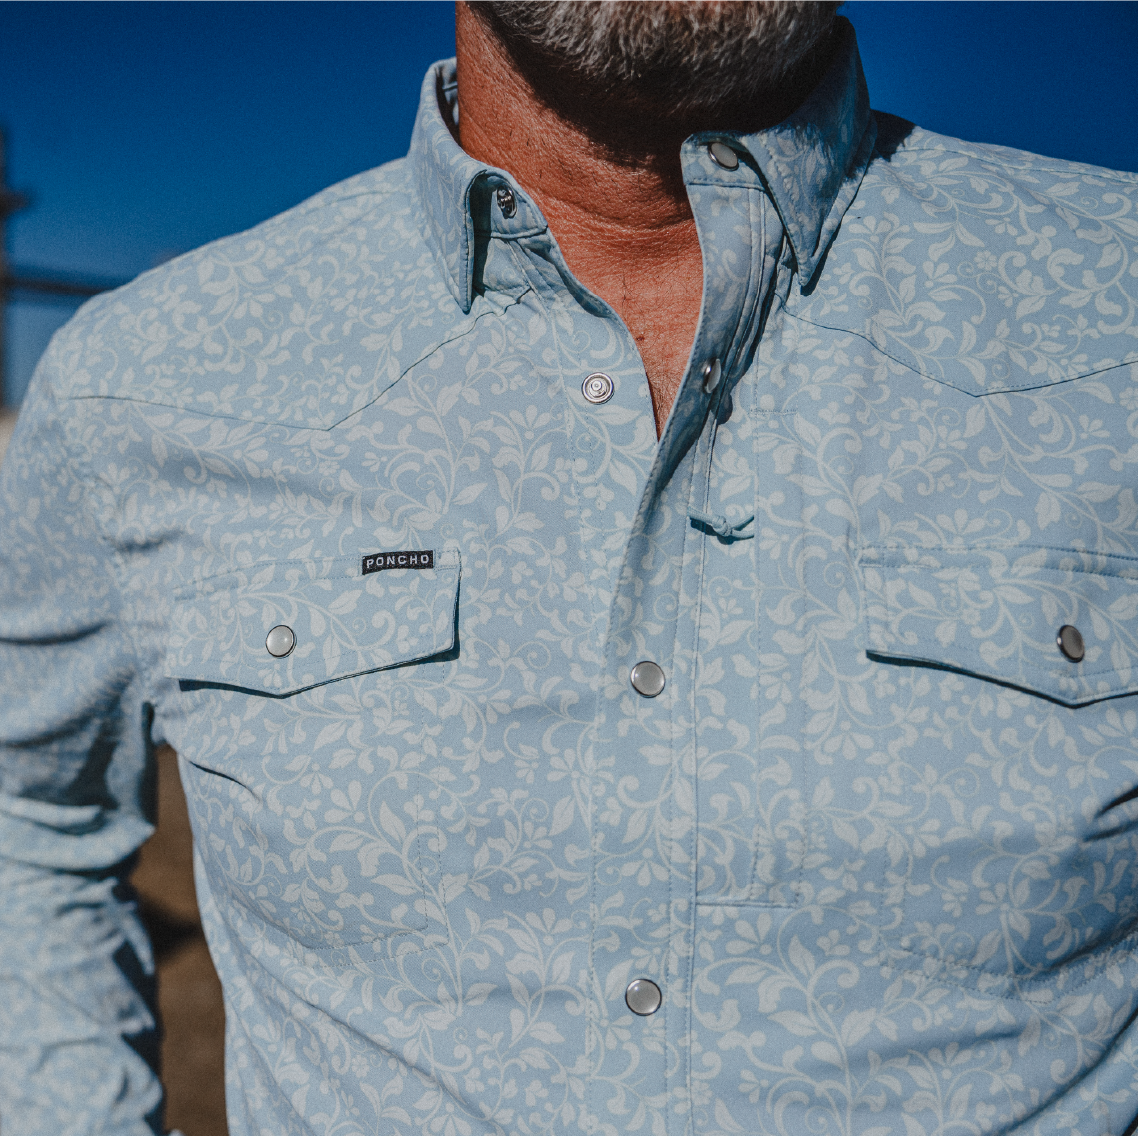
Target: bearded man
(643, 594)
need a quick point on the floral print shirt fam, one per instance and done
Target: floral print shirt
(363, 511)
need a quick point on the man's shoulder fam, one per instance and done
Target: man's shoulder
(904, 145)
(986, 268)
(248, 305)
(1013, 193)
(378, 199)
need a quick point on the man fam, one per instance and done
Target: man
(643, 592)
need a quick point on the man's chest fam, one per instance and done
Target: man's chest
(862, 685)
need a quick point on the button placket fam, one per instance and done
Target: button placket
(643, 874)
(637, 881)
(710, 374)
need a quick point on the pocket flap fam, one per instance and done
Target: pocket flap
(343, 622)
(997, 613)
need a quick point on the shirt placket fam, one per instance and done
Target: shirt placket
(643, 791)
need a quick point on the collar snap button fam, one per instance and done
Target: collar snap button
(723, 155)
(598, 387)
(710, 372)
(507, 203)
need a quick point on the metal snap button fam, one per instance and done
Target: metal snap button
(280, 641)
(643, 997)
(1070, 641)
(723, 155)
(711, 371)
(598, 387)
(507, 203)
(648, 678)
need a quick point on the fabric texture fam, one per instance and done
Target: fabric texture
(876, 839)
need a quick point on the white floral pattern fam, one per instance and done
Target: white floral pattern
(877, 840)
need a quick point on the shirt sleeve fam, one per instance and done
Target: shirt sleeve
(78, 1036)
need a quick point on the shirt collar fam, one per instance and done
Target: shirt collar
(812, 163)
(455, 189)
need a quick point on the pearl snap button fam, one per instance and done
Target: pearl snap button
(1070, 641)
(643, 997)
(507, 203)
(280, 641)
(711, 371)
(723, 155)
(648, 678)
(598, 387)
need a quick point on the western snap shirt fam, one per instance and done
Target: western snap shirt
(779, 775)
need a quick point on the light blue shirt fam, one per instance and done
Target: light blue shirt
(875, 841)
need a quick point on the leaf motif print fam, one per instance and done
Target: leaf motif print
(1031, 285)
(874, 841)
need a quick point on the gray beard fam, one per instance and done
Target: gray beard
(673, 59)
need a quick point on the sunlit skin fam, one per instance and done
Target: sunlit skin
(627, 232)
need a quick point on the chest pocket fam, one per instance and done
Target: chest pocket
(999, 822)
(328, 621)
(302, 733)
(1001, 614)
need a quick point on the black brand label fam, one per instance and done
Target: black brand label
(399, 559)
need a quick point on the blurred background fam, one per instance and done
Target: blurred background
(137, 131)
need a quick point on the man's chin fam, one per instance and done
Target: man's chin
(626, 72)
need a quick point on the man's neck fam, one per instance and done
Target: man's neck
(626, 230)
(610, 184)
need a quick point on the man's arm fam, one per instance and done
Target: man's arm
(78, 1038)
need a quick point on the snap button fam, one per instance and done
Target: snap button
(723, 155)
(598, 387)
(280, 641)
(507, 203)
(711, 371)
(648, 679)
(643, 997)
(1070, 641)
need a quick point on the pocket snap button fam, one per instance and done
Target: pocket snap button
(1070, 641)
(280, 641)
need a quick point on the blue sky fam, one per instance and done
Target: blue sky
(145, 129)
